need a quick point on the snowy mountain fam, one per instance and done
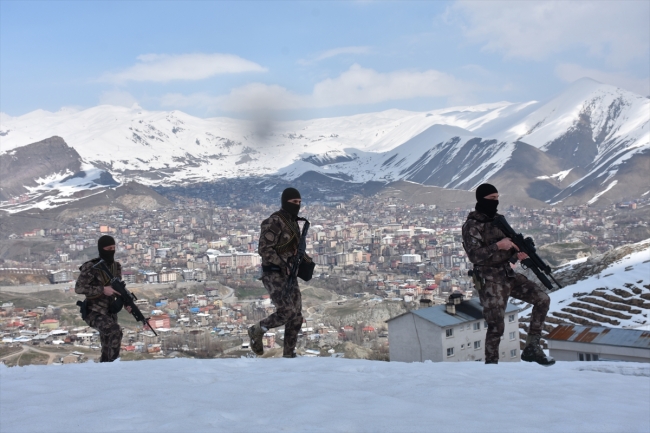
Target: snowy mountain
(589, 144)
(325, 395)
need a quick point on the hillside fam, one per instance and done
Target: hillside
(612, 289)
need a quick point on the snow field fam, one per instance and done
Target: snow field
(324, 395)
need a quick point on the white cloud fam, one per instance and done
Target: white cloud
(365, 86)
(166, 67)
(117, 97)
(336, 52)
(356, 86)
(615, 30)
(570, 72)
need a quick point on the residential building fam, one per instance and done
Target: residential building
(440, 336)
(411, 258)
(61, 276)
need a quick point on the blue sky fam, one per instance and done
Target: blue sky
(313, 59)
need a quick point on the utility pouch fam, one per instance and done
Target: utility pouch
(306, 268)
(116, 305)
(83, 309)
(479, 282)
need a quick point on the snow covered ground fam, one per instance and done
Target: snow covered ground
(632, 270)
(324, 395)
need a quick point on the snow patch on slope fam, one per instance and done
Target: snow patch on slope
(632, 270)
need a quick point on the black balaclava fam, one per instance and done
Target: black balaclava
(106, 241)
(289, 194)
(483, 205)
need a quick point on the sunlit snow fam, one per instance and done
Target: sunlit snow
(325, 395)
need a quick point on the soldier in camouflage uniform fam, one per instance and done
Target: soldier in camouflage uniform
(278, 242)
(94, 283)
(491, 252)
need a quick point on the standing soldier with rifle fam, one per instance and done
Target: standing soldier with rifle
(98, 309)
(491, 252)
(281, 246)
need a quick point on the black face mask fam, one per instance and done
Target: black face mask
(108, 256)
(292, 208)
(487, 207)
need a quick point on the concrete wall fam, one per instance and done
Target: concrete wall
(413, 339)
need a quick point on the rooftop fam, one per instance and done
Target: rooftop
(466, 311)
(601, 335)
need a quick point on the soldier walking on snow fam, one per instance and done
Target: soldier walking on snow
(100, 304)
(278, 242)
(490, 251)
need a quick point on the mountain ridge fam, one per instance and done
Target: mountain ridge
(588, 143)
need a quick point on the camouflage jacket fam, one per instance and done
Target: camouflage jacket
(91, 283)
(480, 239)
(279, 237)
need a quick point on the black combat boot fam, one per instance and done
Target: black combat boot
(533, 352)
(256, 333)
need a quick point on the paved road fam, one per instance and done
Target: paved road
(51, 355)
(34, 288)
(24, 349)
(21, 351)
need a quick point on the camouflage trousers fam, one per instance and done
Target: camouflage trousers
(494, 298)
(110, 334)
(288, 311)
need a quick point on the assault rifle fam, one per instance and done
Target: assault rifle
(300, 267)
(526, 245)
(127, 297)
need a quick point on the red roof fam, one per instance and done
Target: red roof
(50, 321)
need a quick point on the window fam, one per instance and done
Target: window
(587, 357)
(485, 324)
(462, 346)
(512, 335)
(477, 326)
(477, 344)
(511, 318)
(449, 332)
(450, 351)
(503, 354)
(513, 353)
